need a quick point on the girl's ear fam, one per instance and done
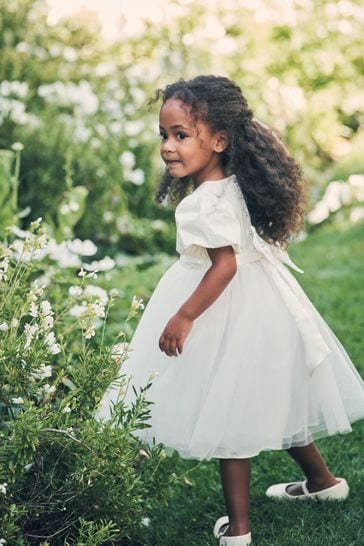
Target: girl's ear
(222, 141)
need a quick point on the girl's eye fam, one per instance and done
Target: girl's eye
(181, 136)
(162, 136)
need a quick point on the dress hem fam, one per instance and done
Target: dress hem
(184, 454)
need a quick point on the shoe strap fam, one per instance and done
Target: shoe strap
(223, 529)
(304, 488)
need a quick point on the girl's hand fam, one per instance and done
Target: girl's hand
(174, 334)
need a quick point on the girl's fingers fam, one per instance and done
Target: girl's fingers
(161, 343)
(173, 347)
(179, 346)
(164, 344)
(170, 346)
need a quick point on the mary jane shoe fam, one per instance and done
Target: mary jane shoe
(221, 526)
(339, 491)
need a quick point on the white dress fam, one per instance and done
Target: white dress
(260, 368)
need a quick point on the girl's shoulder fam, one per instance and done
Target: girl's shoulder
(209, 196)
(211, 203)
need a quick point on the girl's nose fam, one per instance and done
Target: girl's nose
(167, 145)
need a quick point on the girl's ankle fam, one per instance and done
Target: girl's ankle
(237, 530)
(321, 482)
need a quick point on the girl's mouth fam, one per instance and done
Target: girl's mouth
(172, 163)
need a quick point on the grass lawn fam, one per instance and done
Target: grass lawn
(333, 260)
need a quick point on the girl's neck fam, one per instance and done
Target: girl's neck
(215, 174)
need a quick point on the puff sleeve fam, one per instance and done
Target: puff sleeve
(205, 220)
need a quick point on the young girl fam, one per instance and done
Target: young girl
(256, 367)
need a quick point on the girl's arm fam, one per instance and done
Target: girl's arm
(215, 280)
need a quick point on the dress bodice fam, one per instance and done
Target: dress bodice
(215, 215)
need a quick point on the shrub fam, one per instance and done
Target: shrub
(65, 478)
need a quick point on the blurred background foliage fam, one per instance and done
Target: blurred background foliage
(79, 104)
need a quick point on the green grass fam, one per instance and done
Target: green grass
(333, 262)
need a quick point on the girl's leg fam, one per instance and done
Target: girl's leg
(235, 478)
(313, 465)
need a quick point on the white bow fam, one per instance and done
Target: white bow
(273, 252)
(295, 299)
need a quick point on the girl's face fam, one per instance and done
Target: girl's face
(188, 148)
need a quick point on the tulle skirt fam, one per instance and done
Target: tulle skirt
(244, 382)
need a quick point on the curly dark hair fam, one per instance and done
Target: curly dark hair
(269, 178)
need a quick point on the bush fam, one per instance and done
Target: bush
(65, 478)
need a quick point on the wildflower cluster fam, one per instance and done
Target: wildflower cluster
(42, 311)
(5, 254)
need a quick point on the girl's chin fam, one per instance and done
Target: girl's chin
(176, 171)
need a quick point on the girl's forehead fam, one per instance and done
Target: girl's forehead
(175, 110)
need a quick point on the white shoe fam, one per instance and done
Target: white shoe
(221, 526)
(340, 491)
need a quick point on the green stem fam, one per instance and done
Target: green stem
(15, 181)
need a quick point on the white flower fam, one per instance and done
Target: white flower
(17, 400)
(47, 322)
(4, 266)
(77, 310)
(48, 389)
(19, 232)
(114, 292)
(356, 214)
(27, 467)
(92, 290)
(61, 254)
(30, 331)
(14, 323)
(133, 128)
(82, 248)
(82, 273)
(4, 327)
(89, 333)
(70, 54)
(54, 50)
(79, 95)
(23, 47)
(54, 349)
(105, 264)
(108, 216)
(137, 304)
(153, 375)
(92, 274)
(64, 209)
(138, 95)
(145, 522)
(66, 409)
(36, 291)
(42, 372)
(33, 309)
(2, 541)
(14, 87)
(137, 176)
(3, 487)
(127, 159)
(46, 308)
(119, 352)
(97, 308)
(53, 346)
(74, 206)
(17, 147)
(75, 291)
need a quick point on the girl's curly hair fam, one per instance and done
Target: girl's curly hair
(269, 178)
